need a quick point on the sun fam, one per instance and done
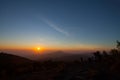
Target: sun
(38, 48)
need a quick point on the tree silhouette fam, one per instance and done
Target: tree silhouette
(118, 45)
(105, 54)
(115, 52)
(97, 55)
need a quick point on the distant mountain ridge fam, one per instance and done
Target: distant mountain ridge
(60, 55)
(57, 56)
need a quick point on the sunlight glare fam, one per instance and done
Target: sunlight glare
(38, 48)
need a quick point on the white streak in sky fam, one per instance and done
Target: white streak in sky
(55, 27)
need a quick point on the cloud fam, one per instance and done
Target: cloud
(52, 25)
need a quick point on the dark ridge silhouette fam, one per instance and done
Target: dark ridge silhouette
(13, 59)
(11, 65)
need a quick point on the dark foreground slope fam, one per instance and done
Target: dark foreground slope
(12, 65)
(6, 59)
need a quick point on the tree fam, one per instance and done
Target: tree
(118, 45)
(114, 52)
(104, 53)
(97, 55)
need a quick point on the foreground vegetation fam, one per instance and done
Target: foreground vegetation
(101, 66)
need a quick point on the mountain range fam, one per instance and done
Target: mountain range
(60, 55)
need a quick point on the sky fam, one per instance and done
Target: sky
(59, 24)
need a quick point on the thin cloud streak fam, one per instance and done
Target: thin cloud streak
(52, 25)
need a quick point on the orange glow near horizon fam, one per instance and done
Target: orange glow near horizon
(38, 50)
(43, 48)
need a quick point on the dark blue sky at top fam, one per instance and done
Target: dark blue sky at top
(59, 22)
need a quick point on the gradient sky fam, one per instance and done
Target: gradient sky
(59, 24)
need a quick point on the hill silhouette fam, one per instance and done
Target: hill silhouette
(12, 65)
(6, 58)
